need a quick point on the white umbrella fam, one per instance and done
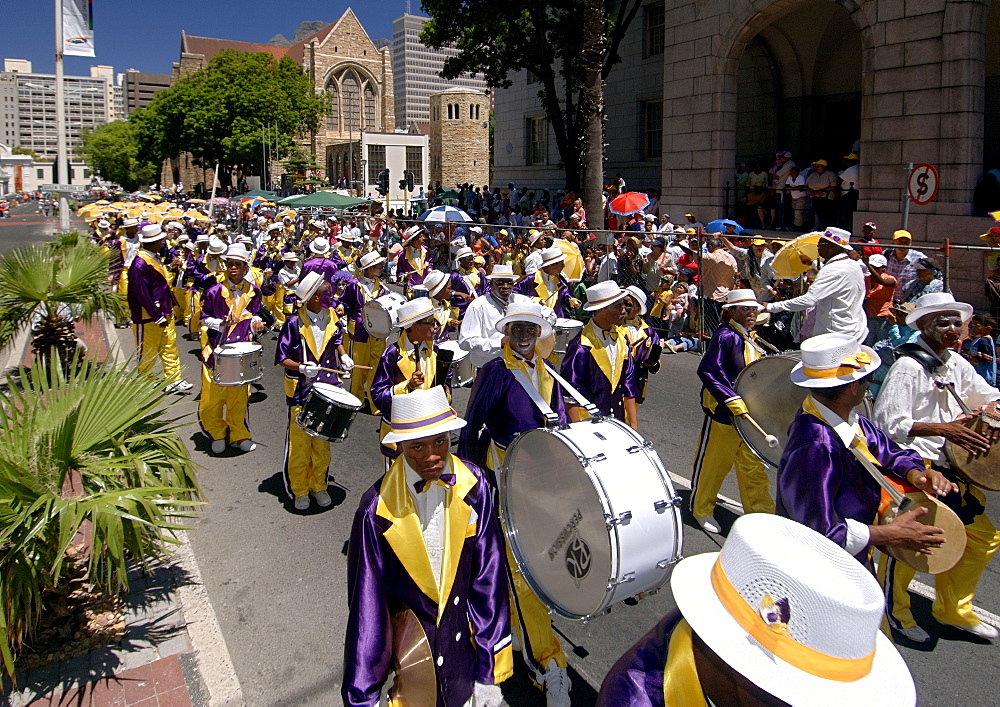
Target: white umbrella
(442, 214)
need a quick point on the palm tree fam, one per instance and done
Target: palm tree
(48, 288)
(107, 431)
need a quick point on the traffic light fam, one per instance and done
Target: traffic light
(402, 184)
(408, 174)
(383, 182)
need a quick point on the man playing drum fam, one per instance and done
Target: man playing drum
(438, 286)
(821, 483)
(468, 281)
(598, 362)
(365, 349)
(548, 286)
(920, 415)
(408, 364)
(720, 446)
(643, 340)
(228, 314)
(310, 349)
(426, 545)
(413, 262)
(501, 407)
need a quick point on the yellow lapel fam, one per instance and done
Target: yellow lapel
(593, 341)
(418, 264)
(307, 334)
(751, 351)
(457, 528)
(153, 262)
(809, 407)
(407, 365)
(238, 306)
(471, 280)
(513, 361)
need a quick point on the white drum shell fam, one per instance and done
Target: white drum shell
(379, 315)
(600, 482)
(461, 364)
(566, 329)
(236, 364)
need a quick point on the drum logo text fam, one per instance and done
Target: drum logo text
(564, 535)
(578, 558)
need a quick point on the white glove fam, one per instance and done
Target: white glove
(346, 363)
(487, 695)
(212, 322)
(309, 370)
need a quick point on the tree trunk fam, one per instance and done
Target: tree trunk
(590, 110)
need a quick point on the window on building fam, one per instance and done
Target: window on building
(536, 133)
(333, 120)
(653, 29)
(40, 174)
(652, 123)
(370, 123)
(376, 162)
(415, 163)
(449, 112)
(531, 76)
(351, 103)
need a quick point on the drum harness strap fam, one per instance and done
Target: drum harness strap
(551, 418)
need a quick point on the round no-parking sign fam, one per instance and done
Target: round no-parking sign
(923, 183)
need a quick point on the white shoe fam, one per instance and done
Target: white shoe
(179, 386)
(709, 524)
(246, 445)
(302, 503)
(980, 630)
(218, 446)
(914, 633)
(323, 499)
(557, 685)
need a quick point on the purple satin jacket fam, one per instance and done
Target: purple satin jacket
(147, 290)
(636, 679)
(722, 362)
(325, 266)
(582, 372)
(820, 483)
(527, 287)
(475, 620)
(292, 345)
(458, 284)
(213, 304)
(354, 301)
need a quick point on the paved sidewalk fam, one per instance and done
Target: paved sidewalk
(173, 653)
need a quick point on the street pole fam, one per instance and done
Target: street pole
(263, 158)
(215, 181)
(906, 198)
(61, 163)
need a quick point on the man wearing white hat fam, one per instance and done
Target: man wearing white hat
(643, 340)
(533, 260)
(438, 286)
(918, 414)
(501, 407)
(285, 280)
(821, 483)
(310, 347)
(151, 306)
(780, 616)
(547, 286)
(323, 259)
(598, 362)
(123, 251)
(477, 333)
(407, 364)
(720, 447)
(426, 553)
(228, 315)
(366, 350)
(347, 245)
(468, 281)
(837, 293)
(413, 262)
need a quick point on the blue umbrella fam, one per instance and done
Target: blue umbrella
(442, 214)
(719, 226)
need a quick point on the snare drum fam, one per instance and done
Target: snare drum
(237, 364)
(379, 315)
(328, 412)
(566, 329)
(461, 364)
(585, 535)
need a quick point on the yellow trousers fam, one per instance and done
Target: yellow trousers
(365, 354)
(153, 341)
(275, 305)
(215, 399)
(719, 448)
(123, 282)
(194, 325)
(183, 309)
(954, 589)
(307, 459)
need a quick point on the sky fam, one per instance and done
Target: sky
(146, 35)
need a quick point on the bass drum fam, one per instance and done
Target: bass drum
(584, 535)
(379, 315)
(773, 401)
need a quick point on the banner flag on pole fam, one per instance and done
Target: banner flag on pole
(78, 28)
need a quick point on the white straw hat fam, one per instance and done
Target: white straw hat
(237, 251)
(551, 256)
(829, 360)
(411, 233)
(793, 613)
(369, 259)
(742, 298)
(602, 295)
(290, 256)
(216, 247)
(414, 311)
(435, 281)
(320, 246)
(130, 222)
(934, 303)
(308, 285)
(203, 238)
(103, 223)
(502, 272)
(348, 238)
(464, 252)
(525, 311)
(150, 232)
(639, 296)
(838, 236)
(422, 413)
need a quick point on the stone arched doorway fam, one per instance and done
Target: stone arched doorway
(799, 86)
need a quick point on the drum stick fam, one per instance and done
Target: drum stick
(335, 370)
(771, 440)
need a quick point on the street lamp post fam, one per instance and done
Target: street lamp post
(61, 163)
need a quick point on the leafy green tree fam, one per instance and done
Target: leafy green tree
(569, 46)
(113, 151)
(94, 447)
(216, 113)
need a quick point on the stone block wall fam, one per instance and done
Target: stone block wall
(459, 144)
